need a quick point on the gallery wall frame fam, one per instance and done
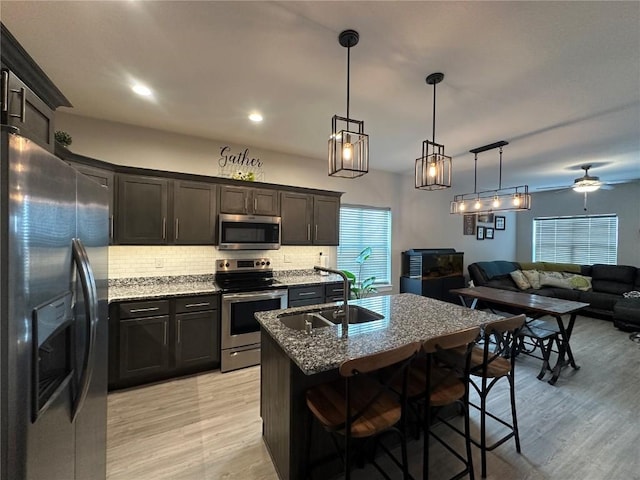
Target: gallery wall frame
(500, 223)
(488, 233)
(469, 224)
(480, 233)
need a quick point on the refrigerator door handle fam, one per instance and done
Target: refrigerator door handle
(90, 293)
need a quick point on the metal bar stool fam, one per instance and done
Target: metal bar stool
(489, 363)
(361, 406)
(539, 335)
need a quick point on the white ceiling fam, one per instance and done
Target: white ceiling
(559, 80)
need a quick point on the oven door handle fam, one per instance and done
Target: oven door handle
(240, 297)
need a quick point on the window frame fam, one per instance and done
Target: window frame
(380, 283)
(577, 227)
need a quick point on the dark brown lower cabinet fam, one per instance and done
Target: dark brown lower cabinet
(196, 339)
(144, 348)
(159, 339)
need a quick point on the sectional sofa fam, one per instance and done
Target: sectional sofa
(602, 286)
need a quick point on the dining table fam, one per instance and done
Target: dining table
(535, 307)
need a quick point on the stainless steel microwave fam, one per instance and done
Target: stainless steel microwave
(248, 232)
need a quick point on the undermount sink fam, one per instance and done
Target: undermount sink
(327, 317)
(357, 314)
(304, 321)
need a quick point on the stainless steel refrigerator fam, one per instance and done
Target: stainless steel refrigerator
(53, 348)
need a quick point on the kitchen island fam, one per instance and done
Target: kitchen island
(292, 361)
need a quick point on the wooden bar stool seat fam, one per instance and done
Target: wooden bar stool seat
(361, 405)
(433, 384)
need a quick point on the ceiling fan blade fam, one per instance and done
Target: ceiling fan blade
(557, 187)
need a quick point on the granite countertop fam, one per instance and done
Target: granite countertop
(407, 318)
(292, 278)
(140, 288)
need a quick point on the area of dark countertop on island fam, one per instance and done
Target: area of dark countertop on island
(407, 318)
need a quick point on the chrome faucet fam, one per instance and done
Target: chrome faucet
(345, 298)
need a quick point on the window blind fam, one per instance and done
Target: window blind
(362, 227)
(583, 240)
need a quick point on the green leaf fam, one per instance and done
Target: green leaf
(364, 254)
(350, 276)
(367, 283)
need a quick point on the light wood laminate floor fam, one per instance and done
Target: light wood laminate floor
(208, 426)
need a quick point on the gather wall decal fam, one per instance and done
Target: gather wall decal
(239, 165)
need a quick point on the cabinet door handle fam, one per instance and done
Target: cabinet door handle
(177, 227)
(308, 232)
(316, 237)
(255, 205)
(5, 90)
(179, 329)
(111, 234)
(23, 104)
(164, 228)
(304, 294)
(164, 338)
(246, 204)
(192, 305)
(149, 309)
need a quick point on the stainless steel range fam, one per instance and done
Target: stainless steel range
(247, 287)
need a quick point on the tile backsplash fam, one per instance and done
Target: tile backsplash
(160, 261)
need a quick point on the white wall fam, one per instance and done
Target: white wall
(420, 219)
(623, 199)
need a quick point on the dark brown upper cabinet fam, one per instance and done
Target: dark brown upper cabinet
(309, 219)
(24, 110)
(97, 171)
(194, 213)
(247, 200)
(159, 211)
(28, 97)
(142, 209)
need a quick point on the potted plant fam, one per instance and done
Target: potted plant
(361, 288)
(63, 138)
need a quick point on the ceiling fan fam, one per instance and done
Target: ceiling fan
(585, 184)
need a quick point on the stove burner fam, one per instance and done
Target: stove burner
(244, 275)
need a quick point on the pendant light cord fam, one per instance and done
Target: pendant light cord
(475, 174)
(500, 174)
(348, 82)
(433, 138)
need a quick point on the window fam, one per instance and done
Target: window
(362, 227)
(583, 240)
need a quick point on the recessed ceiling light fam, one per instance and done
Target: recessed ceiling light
(142, 90)
(255, 117)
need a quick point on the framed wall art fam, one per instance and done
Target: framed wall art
(500, 223)
(488, 233)
(469, 224)
(480, 233)
(485, 218)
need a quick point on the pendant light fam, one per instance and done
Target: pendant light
(348, 144)
(433, 168)
(489, 201)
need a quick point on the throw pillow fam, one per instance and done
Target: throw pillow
(520, 280)
(554, 279)
(533, 277)
(578, 282)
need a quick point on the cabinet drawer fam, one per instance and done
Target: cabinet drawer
(196, 304)
(305, 302)
(150, 308)
(334, 290)
(304, 293)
